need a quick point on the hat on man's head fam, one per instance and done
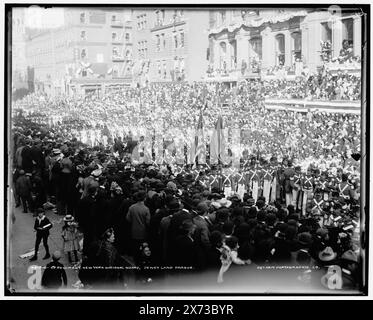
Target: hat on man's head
(225, 202)
(187, 225)
(202, 207)
(305, 239)
(327, 254)
(350, 255)
(322, 232)
(56, 151)
(215, 204)
(171, 185)
(68, 218)
(96, 173)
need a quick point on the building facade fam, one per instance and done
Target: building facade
(254, 43)
(90, 52)
(18, 50)
(170, 44)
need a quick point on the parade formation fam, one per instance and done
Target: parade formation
(247, 179)
(287, 194)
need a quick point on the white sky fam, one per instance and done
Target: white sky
(36, 17)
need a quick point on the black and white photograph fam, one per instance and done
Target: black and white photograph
(186, 149)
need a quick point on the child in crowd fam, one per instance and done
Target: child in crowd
(70, 238)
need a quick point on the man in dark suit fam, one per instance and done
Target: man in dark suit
(41, 226)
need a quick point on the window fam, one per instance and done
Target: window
(114, 36)
(128, 54)
(158, 43)
(223, 16)
(296, 46)
(84, 73)
(326, 32)
(347, 30)
(164, 70)
(280, 50)
(233, 51)
(115, 51)
(82, 18)
(236, 13)
(223, 51)
(113, 18)
(159, 69)
(163, 41)
(127, 37)
(83, 54)
(115, 72)
(175, 41)
(256, 46)
(182, 39)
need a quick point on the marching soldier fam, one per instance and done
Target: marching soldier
(307, 188)
(345, 189)
(273, 171)
(297, 187)
(323, 185)
(267, 179)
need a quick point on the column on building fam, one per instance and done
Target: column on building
(227, 54)
(288, 47)
(313, 47)
(216, 54)
(337, 37)
(305, 42)
(242, 49)
(357, 35)
(268, 53)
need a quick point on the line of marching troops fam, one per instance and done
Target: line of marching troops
(308, 192)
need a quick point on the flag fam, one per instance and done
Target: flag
(198, 149)
(217, 144)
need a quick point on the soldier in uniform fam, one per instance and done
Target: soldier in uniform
(273, 170)
(254, 179)
(267, 179)
(317, 203)
(288, 180)
(323, 185)
(296, 186)
(345, 189)
(307, 188)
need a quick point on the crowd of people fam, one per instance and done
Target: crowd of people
(293, 200)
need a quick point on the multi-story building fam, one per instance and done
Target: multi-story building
(18, 51)
(170, 44)
(90, 52)
(252, 43)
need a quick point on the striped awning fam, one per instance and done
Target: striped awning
(281, 17)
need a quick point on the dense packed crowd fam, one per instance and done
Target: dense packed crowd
(293, 200)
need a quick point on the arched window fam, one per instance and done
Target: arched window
(296, 46)
(223, 52)
(256, 46)
(280, 49)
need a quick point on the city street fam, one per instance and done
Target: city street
(22, 240)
